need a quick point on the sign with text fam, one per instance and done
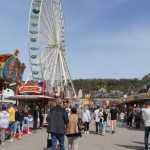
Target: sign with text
(29, 87)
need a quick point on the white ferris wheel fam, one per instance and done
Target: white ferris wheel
(47, 46)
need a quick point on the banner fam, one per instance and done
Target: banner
(8, 67)
(3, 59)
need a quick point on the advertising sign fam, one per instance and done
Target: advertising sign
(30, 88)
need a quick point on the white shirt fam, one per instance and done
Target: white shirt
(4, 119)
(122, 115)
(68, 110)
(146, 116)
(86, 117)
(97, 115)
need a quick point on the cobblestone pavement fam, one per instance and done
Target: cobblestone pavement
(123, 139)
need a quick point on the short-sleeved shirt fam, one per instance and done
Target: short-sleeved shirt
(11, 112)
(4, 119)
(113, 113)
(97, 115)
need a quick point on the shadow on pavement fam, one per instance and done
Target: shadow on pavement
(93, 132)
(134, 129)
(131, 147)
(137, 142)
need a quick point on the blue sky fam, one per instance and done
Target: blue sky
(104, 38)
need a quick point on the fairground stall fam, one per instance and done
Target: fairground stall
(11, 71)
(138, 99)
(31, 94)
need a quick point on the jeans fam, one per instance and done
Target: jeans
(22, 126)
(12, 127)
(101, 126)
(104, 127)
(60, 138)
(26, 121)
(147, 130)
(17, 127)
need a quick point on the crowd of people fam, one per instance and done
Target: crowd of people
(67, 123)
(15, 121)
(63, 119)
(74, 121)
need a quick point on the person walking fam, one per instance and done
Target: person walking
(25, 124)
(101, 121)
(35, 117)
(146, 118)
(73, 132)
(19, 117)
(138, 118)
(12, 111)
(122, 118)
(113, 113)
(57, 121)
(97, 119)
(105, 115)
(41, 117)
(4, 122)
(86, 118)
(130, 118)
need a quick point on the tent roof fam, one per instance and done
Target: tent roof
(31, 97)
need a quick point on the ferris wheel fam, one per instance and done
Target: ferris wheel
(47, 45)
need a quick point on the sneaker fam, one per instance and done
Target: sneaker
(29, 132)
(2, 143)
(21, 133)
(19, 137)
(11, 140)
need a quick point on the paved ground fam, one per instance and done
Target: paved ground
(124, 139)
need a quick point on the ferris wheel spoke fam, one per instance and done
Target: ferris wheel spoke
(46, 16)
(46, 22)
(49, 66)
(50, 11)
(46, 39)
(46, 27)
(46, 57)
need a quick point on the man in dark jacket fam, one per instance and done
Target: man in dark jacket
(57, 121)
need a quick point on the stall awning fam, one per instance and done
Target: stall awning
(31, 97)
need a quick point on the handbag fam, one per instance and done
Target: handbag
(49, 141)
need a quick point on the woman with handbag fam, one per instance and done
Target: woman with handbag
(73, 132)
